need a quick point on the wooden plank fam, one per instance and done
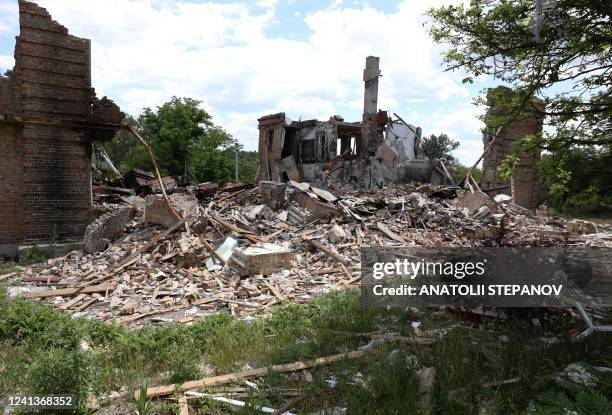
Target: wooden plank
(9, 275)
(326, 271)
(353, 280)
(158, 175)
(252, 373)
(70, 303)
(242, 232)
(69, 292)
(211, 249)
(274, 290)
(48, 280)
(183, 405)
(223, 199)
(346, 271)
(85, 305)
(328, 251)
(384, 229)
(493, 139)
(136, 317)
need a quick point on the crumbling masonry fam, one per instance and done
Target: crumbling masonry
(49, 116)
(374, 152)
(523, 186)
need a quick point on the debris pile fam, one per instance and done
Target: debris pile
(244, 248)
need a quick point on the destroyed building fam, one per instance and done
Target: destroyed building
(49, 117)
(524, 185)
(374, 152)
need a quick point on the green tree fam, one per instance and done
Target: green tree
(126, 152)
(185, 142)
(578, 180)
(440, 147)
(458, 171)
(248, 161)
(556, 50)
(180, 132)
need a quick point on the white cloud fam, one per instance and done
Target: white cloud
(6, 62)
(8, 17)
(267, 4)
(145, 51)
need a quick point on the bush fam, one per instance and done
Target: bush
(61, 372)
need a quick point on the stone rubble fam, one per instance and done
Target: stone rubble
(264, 257)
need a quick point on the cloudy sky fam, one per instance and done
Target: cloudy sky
(245, 59)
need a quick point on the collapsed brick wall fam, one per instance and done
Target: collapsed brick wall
(49, 115)
(524, 186)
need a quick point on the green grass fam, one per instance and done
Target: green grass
(40, 353)
(7, 267)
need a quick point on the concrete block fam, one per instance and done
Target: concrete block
(273, 194)
(261, 259)
(158, 212)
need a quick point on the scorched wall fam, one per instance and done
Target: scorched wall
(49, 115)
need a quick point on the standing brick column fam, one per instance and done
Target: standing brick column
(524, 185)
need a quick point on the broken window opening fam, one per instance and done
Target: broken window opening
(270, 139)
(291, 145)
(308, 151)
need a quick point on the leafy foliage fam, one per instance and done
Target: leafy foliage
(459, 171)
(40, 350)
(558, 50)
(61, 372)
(185, 142)
(557, 57)
(440, 147)
(141, 402)
(578, 180)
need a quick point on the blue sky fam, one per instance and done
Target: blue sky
(245, 59)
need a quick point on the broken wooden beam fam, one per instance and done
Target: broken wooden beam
(384, 229)
(157, 174)
(70, 303)
(328, 251)
(211, 250)
(9, 275)
(69, 292)
(130, 319)
(251, 373)
(242, 232)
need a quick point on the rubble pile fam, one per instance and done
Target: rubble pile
(245, 249)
